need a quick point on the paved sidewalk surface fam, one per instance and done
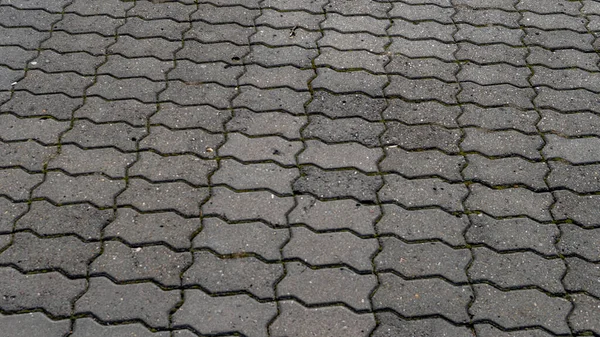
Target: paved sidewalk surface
(299, 168)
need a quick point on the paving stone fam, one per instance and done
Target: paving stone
(177, 196)
(16, 57)
(549, 6)
(118, 135)
(488, 330)
(158, 168)
(376, 9)
(67, 254)
(590, 7)
(226, 275)
(242, 238)
(51, 292)
(422, 30)
(166, 29)
(335, 214)
(17, 184)
(575, 240)
(28, 155)
(100, 110)
(509, 202)
(9, 212)
(139, 228)
(266, 123)
(422, 89)
(576, 100)
(255, 176)
(482, 17)
(558, 39)
(330, 249)
(189, 141)
(184, 117)
(582, 179)
(517, 270)
(422, 112)
(313, 6)
(336, 184)
(34, 324)
(87, 327)
(38, 19)
(292, 55)
(230, 14)
(349, 82)
(585, 314)
(208, 33)
(582, 276)
(355, 24)
(111, 88)
(343, 130)
(58, 106)
(248, 206)
(97, 24)
(351, 60)
(24, 37)
(423, 260)
(564, 78)
(281, 99)
(289, 19)
(157, 263)
(224, 51)
(512, 234)
(411, 298)
(575, 124)
(422, 137)
(563, 58)
(574, 150)
(488, 34)
(425, 67)
(553, 21)
(331, 156)
(491, 53)
(441, 3)
(506, 171)
(147, 67)
(195, 74)
(10, 78)
(415, 164)
(74, 160)
(263, 148)
(335, 321)
(224, 314)
(186, 333)
(328, 285)
(422, 12)
(354, 105)
(70, 84)
(281, 37)
(354, 41)
(55, 6)
(391, 325)
(423, 193)
(114, 8)
(159, 48)
(494, 74)
(95, 188)
(173, 10)
(424, 224)
(523, 308)
(499, 118)
(284, 76)
(496, 95)
(44, 130)
(63, 42)
(502, 143)
(79, 62)
(142, 301)
(82, 220)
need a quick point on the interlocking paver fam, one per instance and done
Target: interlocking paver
(349, 60)
(226, 275)
(9, 212)
(343, 130)
(496, 95)
(266, 123)
(582, 276)
(502, 143)
(565, 78)
(312, 6)
(218, 72)
(421, 137)
(225, 14)
(354, 41)
(74, 160)
(327, 285)
(142, 228)
(336, 321)
(148, 67)
(255, 176)
(355, 24)
(357, 105)
(506, 171)
(95, 188)
(573, 100)
(34, 324)
(278, 99)
(111, 88)
(290, 55)
(563, 58)
(578, 241)
(194, 141)
(349, 82)
(488, 330)
(281, 37)
(580, 178)
(173, 10)
(422, 89)
(499, 118)
(142, 301)
(481, 17)
(426, 67)
(157, 263)
(24, 37)
(158, 168)
(331, 156)
(91, 43)
(584, 317)
(289, 19)
(423, 260)
(79, 62)
(163, 28)
(493, 53)
(283, 76)
(572, 124)
(29, 155)
(44, 130)
(149, 47)
(114, 8)
(392, 325)
(264, 148)
(16, 57)
(422, 113)
(208, 33)
(119, 135)
(558, 39)
(184, 117)
(100, 110)
(377, 9)
(509, 202)
(87, 327)
(17, 184)
(38, 82)
(435, 31)
(38, 19)
(494, 74)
